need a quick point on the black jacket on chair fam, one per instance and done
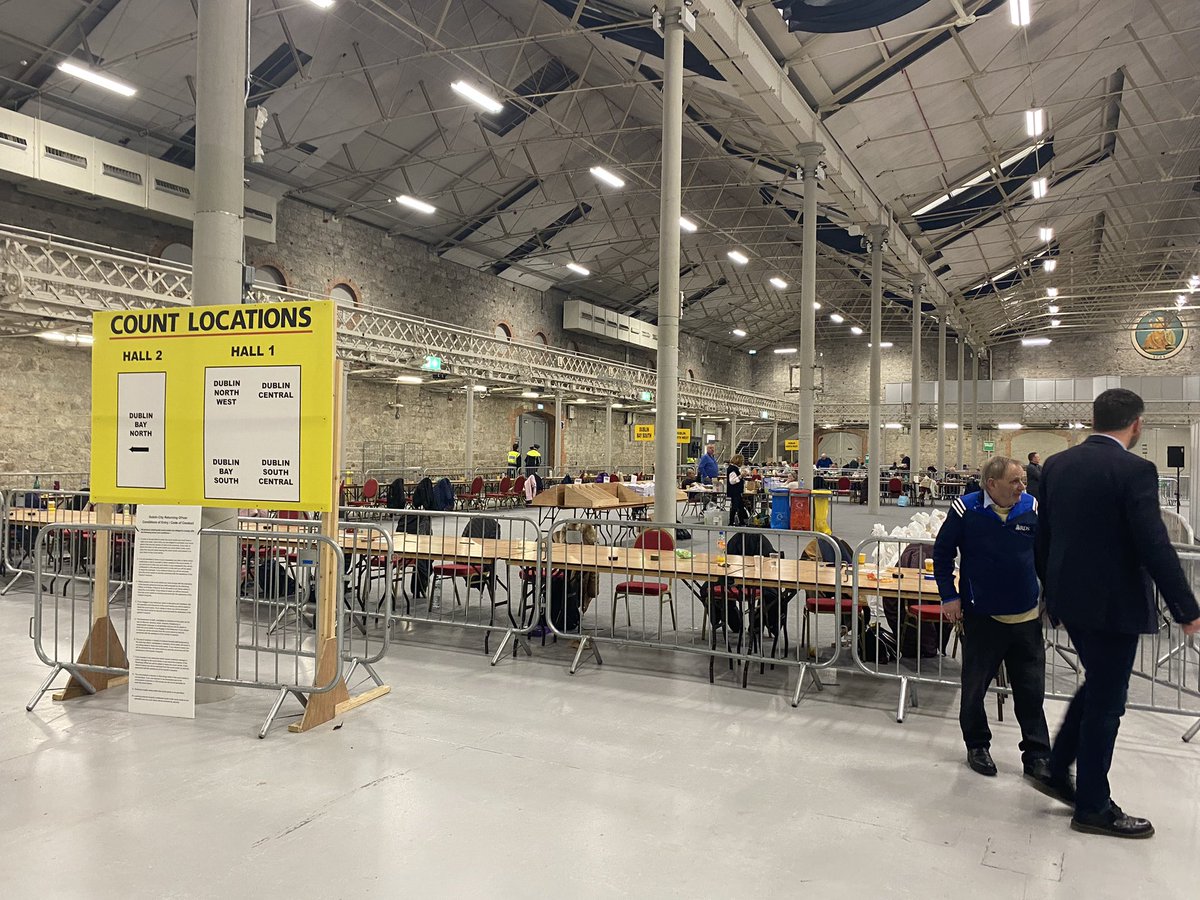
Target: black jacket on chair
(1101, 542)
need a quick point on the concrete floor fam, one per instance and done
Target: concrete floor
(637, 778)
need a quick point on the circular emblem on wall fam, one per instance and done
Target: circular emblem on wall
(1159, 334)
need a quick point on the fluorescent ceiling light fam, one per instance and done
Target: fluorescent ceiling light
(1194, 282)
(752, 352)
(949, 426)
(480, 388)
(322, 4)
(1009, 426)
(686, 224)
(894, 426)
(737, 332)
(409, 379)
(60, 337)
(476, 96)
(1019, 12)
(618, 406)
(414, 203)
(855, 330)
(738, 257)
(1052, 292)
(530, 395)
(1035, 122)
(1039, 188)
(933, 204)
(816, 305)
(778, 282)
(578, 269)
(837, 319)
(782, 350)
(1052, 308)
(1046, 234)
(1181, 300)
(883, 345)
(607, 177)
(1054, 323)
(1049, 265)
(86, 74)
(1035, 342)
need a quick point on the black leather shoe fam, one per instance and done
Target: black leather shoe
(980, 759)
(1039, 775)
(1114, 823)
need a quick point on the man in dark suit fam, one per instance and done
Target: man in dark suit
(1033, 475)
(1100, 543)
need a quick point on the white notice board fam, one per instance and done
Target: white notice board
(162, 639)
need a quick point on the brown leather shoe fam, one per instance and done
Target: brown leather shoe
(1114, 823)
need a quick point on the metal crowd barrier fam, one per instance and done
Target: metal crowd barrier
(23, 515)
(457, 569)
(771, 598)
(65, 481)
(904, 636)
(275, 572)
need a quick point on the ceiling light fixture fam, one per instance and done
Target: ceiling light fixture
(949, 425)
(86, 74)
(409, 379)
(1052, 308)
(414, 203)
(322, 4)
(816, 305)
(1181, 300)
(737, 332)
(782, 350)
(1049, 265)
(480, 389)
(1035, 122)
(836, 319)
(893, 426)
(855, 330)
(476, 96)
(1040, 188)
(778, 282)
(1052, 292)
(1046, 234)
(60, 337)
(578, 269)
(1010, 426)
(1035, 342)
(607, 177)
(1019, 12)
(686, 224)
(752, 352)
(738, 257)
(530, 395)
(1054, 323)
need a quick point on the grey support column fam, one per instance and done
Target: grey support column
(217, 278)
(733, 435)
(1193, 493)
(811, 156)
(941, 395)
(608, 466)
(560, 437)
(961, 423)
(669, 302)
(914, 452)
(469, 427)
(976, 460)
(875, 235)
(775, 440)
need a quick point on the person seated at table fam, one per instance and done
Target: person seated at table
(853, 464)
(689, 479)
(927, 487)
(824, 462)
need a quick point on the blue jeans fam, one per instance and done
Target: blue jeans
(1089, 732)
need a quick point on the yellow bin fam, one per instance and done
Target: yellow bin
(821, 501)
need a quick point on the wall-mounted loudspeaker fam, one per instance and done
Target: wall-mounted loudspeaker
(1175, 458)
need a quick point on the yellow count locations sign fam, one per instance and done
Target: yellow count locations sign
(214, 405)
(683, 435)
(793, 444)
(643, 432)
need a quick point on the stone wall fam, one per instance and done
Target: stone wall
(45, 406)
(1084, 355)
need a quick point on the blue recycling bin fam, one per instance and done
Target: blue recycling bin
(781, 510)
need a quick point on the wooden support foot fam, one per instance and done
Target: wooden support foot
(102, 648)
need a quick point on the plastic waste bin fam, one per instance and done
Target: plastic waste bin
(821, 508)
(801, 503)
(781, 513)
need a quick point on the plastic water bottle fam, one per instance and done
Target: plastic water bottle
(721, 548)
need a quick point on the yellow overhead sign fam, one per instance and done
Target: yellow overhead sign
(643, 432)
(214, 405)
(793, 444)
(683, 435)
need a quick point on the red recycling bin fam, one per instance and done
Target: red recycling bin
(801, 499)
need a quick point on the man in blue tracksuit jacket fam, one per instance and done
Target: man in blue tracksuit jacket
(996, 598)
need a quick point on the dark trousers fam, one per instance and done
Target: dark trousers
(1089, 731)
(737, 509)
(986, 644)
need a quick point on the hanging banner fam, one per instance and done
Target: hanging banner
(162, 628)
(216, 405)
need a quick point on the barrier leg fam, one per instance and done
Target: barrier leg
(1191, 732)
(584, 643)
(41, 691)
(8, 587)
(519, 641)
(902, 709)
(275, 707)
(806, 672)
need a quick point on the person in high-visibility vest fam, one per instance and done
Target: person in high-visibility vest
(533, 459)
(514, 459)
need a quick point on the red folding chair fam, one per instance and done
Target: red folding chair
(475, 495)
(501, 495)
(650, 539)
